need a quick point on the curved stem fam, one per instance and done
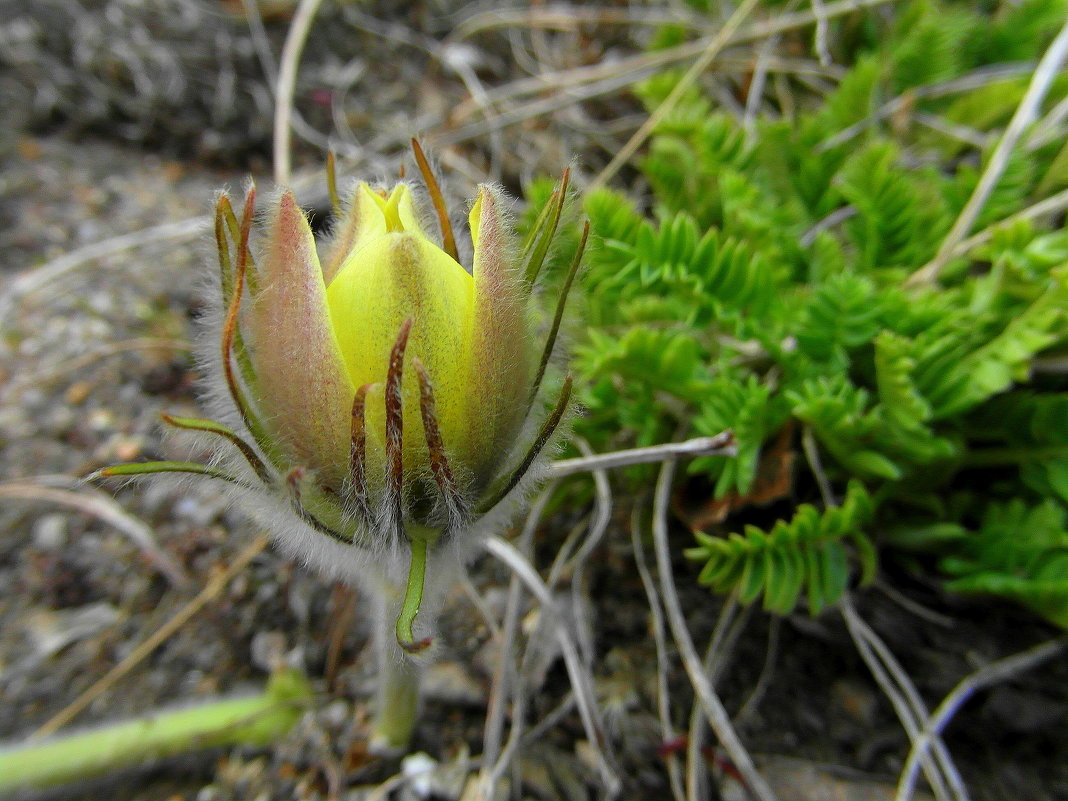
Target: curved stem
(397, 698)
(413, 598)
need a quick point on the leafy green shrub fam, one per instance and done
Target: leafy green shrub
(762, 283)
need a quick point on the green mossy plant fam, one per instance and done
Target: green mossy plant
(761, 282)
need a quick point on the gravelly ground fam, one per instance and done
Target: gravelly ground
(90, 358)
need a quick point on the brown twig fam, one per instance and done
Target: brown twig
(214, 586)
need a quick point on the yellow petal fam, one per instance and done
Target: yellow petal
(397, 276)
(304, 388)
(367, 217)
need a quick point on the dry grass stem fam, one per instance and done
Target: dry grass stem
(730, 623)
(608, 77)
(100, 353)
(1050, 205)
(568, 18)
(656, 617)
(719, 445)
(286, 87)
(995, 672)
(709, 700)
(767, 670)
(102, 507)
(966, 83)
(598, 526)
(48, 275)
(212, 589)
(505, 679)
(581, 681)
(708, 55)
(1026, 113)
(943, 777)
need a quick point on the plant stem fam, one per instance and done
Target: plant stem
(251, 720)
(397, 699)
(413, 597)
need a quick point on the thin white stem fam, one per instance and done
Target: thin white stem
(713, 707)
(943, 777)
(1026, 113)
(1050, 128)
(663, 696)
(719, 445)
(630, 69)
(812, 455)
(766, 672)
(988, 674)
(103, 508)
(715, 45)
(756, 87)
(550, 720)
(472, 593)
(504, 677)
(48, 274)
(820, 42)
(602, 517)
(287, 85)
(983, 76)
(580, 680)
(1050, 205)
(730, 624)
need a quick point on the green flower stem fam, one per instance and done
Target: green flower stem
(397, 701)
(253, 720)
(413, 597)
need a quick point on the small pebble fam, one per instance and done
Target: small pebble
(196, 510)
(77, 392)
(50, 532)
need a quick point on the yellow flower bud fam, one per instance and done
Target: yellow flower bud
(390, 393)
(379, 402)
(313, 344)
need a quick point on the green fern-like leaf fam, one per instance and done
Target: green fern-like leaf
(852, 101)
(805, 554)
(930, 45)
(1021, 553)
(1019, 32)
(714, 274)
(992, 368)
(896, 223)
(745, 407)
(904, 405)
(845, 423)
(628, 380)
(1008, 194)
(843, 313)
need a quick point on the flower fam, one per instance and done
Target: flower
(379, 400)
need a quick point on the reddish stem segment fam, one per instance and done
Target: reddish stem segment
(544, 435)
(439, 464)
(358, 451)
(448, 241)
(331, 183)
(395, 423)
(223, 212)
(230, 324)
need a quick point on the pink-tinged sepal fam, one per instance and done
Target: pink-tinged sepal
(367, 216)
(500, 362)
(305, 391)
